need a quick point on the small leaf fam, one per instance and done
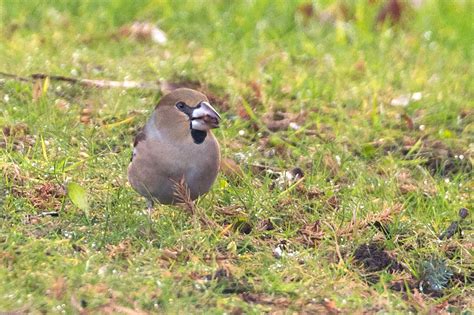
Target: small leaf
(78, 196)
(232, 247)
(45, 86)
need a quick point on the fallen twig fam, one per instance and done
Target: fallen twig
(30, 218)
(15, 77)
(49, 213)
(85, 82)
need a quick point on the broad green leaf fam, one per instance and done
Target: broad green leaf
(78, 196)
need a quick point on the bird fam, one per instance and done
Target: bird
(176, 144)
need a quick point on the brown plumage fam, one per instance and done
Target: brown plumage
(176, 142)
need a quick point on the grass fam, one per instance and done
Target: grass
(389, 176)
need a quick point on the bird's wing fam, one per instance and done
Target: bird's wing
(141, 136)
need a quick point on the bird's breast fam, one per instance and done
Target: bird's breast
(157, 164)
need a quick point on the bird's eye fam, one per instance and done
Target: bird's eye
(180, 105)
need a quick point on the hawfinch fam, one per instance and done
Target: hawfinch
(176, 143)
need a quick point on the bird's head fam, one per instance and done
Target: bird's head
(187, 108)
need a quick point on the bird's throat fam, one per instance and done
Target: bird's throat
(198, 136)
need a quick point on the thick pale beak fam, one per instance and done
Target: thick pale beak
(205, 117)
